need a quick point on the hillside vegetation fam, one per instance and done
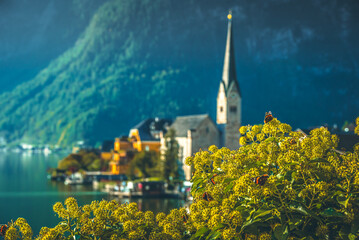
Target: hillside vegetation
(96, 89)
(159, 58)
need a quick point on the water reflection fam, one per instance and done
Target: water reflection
(26, 192)
(155, 205)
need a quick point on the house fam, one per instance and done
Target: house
(106, 150)
(145, 136)
(194, 132)
(123, 153)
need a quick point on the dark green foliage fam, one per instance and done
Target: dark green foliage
(145, 162)
(171, 156)
(139, 59)
(102, 86)
(84, 160)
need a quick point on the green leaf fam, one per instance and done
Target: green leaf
(213, 235)
(299, 209)
(255, 164)
(229, 180)
(338, 193)
(249, 222)
(281, 232)
(262, 213)
(201, 232)
(220, 225)
(200, 190)
(318, 160)
(288, 175)
(196, 182)
(330, 212)
(342, 200)
(351, 236)
(338, 186)
(295, 223)
(228, 187)
(259, 218)
(318, 205)
(271, 139)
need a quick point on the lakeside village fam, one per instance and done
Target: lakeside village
(150, 160)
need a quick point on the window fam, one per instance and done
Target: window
(233, 109)
(221, 109)
(147, 148)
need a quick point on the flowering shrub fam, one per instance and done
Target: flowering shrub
(279, 184)
(105, 220)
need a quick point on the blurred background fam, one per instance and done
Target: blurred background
(84, 71)
(79, 70)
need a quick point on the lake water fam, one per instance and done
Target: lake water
(26, 192)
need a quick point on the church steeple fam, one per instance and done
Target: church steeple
(229, 100)
(229, 75)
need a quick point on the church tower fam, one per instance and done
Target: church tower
(229, 100)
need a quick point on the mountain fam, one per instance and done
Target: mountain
(33, 32)
(143, 58)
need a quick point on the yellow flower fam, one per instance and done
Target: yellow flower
(72, 207)
(149, 215)
(251, 236)
(236, 218)
(11, 233)
(243, 130)
(60, 210)
(264, 236)
(229, 233)
(242, 141)
(260, 136)
(285, 128)
(213, 148)
(322, 231)
(160, 217)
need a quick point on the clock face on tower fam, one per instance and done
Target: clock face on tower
(232, 96)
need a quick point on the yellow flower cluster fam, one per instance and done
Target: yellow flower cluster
(275, 174)
(110, 220)
(278, 183)
(356, 130)
(19, 229)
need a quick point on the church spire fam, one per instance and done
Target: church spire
(229, 100)
(229, 75)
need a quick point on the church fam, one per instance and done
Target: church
(200, 131)
(194, 132)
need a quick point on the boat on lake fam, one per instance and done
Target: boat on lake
(87, 177)
(77, 178)
(145, 189)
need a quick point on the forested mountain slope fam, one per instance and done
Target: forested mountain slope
(139, 59)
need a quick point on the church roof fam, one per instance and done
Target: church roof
(229, 76)
(184, 123)
(149, 128)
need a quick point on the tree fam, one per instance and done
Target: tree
(145, 161)
(170, 156)
(279, 185)
(87, 160)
